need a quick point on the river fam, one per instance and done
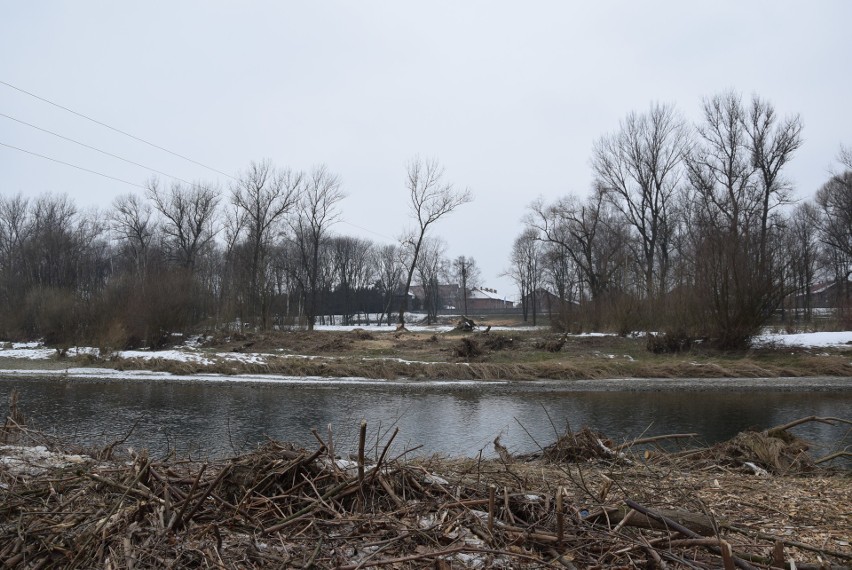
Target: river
(205, 419)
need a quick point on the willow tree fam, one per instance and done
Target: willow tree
(735, 170)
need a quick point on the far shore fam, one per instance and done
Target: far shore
(780, 384)
(511, 359)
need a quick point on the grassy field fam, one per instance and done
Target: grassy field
(521, 354)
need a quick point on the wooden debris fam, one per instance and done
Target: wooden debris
(284, 506)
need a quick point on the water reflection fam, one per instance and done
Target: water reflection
(216, 419)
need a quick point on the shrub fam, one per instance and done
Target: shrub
(498, 342)
(552, 345)
(467, 348)
(669, 342)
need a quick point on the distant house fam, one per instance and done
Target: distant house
(448, 295)
(483, 298)
(829, 295)
(450, 299)
(546, 303)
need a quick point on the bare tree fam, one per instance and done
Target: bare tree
(286, 274)
(559, 273)
(802, 251)
(467, 275)
(431, 270)
(772, 143)
(390, 269)
(524, 270)
(51, 251)
(430, 199)
(720, 166)
(589, 234)
(845, 156)
(735, 173)
(131, 223)
(58, 267)
(189, 218)
(14, 230)
(834, 200)
(639, 169)
(262, 197)
(316, 212)
(353, 267)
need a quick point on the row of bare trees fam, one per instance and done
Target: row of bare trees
(689, 228)
(186, 256)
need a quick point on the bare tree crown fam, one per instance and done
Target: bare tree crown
(430, 198)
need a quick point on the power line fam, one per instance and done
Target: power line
(97, 122)
(370, 231)
(92, 148)
(73, 165)
(125, 181)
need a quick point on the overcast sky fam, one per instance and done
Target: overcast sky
(509, 97)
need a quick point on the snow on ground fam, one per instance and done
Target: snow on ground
(243, 357)
(32, 461)
(32, 353)
(147, 375)
(423, 328)
(813, 340)
(385, 328)
(178, 355)
(190, 352)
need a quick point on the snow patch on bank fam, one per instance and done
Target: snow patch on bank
(177, 355)
(28, 353)
(808, 340)
(108, 374)
(33, 461)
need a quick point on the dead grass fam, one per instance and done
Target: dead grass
(516, 355)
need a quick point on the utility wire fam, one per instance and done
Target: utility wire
(93, 148)
(73, 165)
(114, 129)
(97, 122)
(370, 231)
(130, 161)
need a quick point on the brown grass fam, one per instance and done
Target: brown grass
(521, 355)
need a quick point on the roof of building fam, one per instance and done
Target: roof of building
(822, 286)
(484, 293)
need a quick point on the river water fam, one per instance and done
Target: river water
(219, 419)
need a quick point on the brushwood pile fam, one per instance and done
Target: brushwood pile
(582, 502)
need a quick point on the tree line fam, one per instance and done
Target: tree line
(692, 230)
(259, 254)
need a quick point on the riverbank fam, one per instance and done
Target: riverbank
(581, 502)
(704, 384)
(517, 354)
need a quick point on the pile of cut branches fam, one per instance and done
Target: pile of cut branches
(284, 506)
